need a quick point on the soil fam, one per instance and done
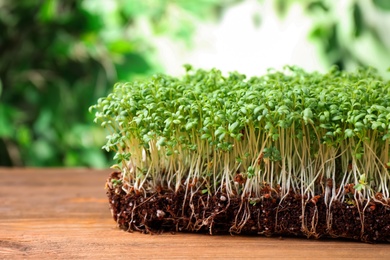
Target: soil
(168, 211)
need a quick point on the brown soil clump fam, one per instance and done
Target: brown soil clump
(168, 211)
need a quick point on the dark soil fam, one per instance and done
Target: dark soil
(166, 211)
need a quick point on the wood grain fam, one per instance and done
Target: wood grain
(63, 214)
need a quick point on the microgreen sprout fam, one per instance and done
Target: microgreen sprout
(362, 183)
(116, 182)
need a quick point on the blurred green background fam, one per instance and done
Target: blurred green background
(58, 57)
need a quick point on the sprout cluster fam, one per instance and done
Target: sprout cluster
(289, 130)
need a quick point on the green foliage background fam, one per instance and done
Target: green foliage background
(59, 57)
(348, 33)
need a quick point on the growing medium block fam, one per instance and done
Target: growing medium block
(289, 152)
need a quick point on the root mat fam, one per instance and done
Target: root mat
(270, 215)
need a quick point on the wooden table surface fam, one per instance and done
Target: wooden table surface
(64, 214)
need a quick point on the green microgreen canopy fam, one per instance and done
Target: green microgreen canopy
(291, 130)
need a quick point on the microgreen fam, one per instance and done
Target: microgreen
(116, 182)
(289, 128)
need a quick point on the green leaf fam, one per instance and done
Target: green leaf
(23, 136)
(251, 172)
(307, 115)
(358, 187)
(205, 136)
(221, 136)
(358, 156)
(48, 10)
(358, 20)
(317, 5)
(233, 126)
(190, 125)
(359, 125)
(318, 32)
(348, 133)
(382, 4)
(220, 130)
(168, 122)
(121, 46)
(257, 109)
(336, 118)
(362, 179)
(386, 136)
(6, 125)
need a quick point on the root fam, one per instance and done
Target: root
(169, 211)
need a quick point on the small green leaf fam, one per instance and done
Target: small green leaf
(205, 136)
(189, 125)
(348, 133)
(336, 118)
(358, 187)
(233, 126)
(221, 136)
(307, 115)
(358, 156)
(362, 179)
(187, 67)
(162, 141)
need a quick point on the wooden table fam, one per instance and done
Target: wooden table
(63, 213)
